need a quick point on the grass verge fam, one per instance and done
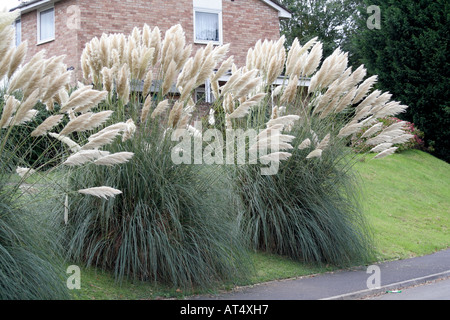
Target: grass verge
(406, 199)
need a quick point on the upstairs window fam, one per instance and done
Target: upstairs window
(208, 27)
(46, 25)
(18, 35)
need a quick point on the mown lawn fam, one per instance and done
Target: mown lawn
(406, 198)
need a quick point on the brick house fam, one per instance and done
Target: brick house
(65, 26)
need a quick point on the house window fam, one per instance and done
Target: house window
(18, 36)
(46, 25)
(208, 26)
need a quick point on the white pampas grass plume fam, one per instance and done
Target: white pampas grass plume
(169, 77)
(101, 140)
(76, 125)
(160, 108)
(84, 156)
(25, 173)
(17, 58)
(47, 125)
(101, 192)
(285, 120)
(10, 107)
(276, 92)
(381, 147)
(317, 153)
(290, 91)
(146, 108)
(391, 109)
(313, 60)
(402, 138)
(372, 130)
(364, 89)
(147, 82)
(350, 128)
(73, 146)
(386, 153)
(120, 126)
(275, 157)
(305, 144)
(129, 131)
(224, 67)
(97, 119)
(83, 99)
(114, 159)
(324, 143)
(25, 107)
(244, 108)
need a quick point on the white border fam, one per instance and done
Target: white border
(38, 17)
(219, 13)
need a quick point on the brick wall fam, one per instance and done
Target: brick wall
(244, 22)
(65, 42)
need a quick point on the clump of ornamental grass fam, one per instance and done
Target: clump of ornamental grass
(172, 223)
(36, 109)
(308, 208)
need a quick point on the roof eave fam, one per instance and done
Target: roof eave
(33, 5)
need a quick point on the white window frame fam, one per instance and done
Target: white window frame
(39, 40)
(15, 33)
(219, 13)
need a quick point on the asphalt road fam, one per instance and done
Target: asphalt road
(433, 290)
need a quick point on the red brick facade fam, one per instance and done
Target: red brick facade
(243, 21)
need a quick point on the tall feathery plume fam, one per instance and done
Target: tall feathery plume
(313, 60)
(146, 108)
(148, 81)
(114, 159)
(101, 140)
(244, 108)
(10, 107)
(129, 131)
(47, 125)
(17, 58)
(386, 153)
(84, 156)
(101, 192)
(123, 84)
(73, 146)
(160, 108)
(305, 144)
(169, 77)
(25, 107)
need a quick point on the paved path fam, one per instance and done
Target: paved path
(347, 284)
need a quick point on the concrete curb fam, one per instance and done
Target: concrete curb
(394, 286)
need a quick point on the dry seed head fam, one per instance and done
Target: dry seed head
(305, 144)
(381, 147)
(317, 153)
(386, 153)
(73, 146)
(160, 108)
(129, 131)
(101, 192)
(146, 108)
(114, 159)
(47, 125)
(169, 77)
(101, 140)
(313, 60)
(82, 157)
